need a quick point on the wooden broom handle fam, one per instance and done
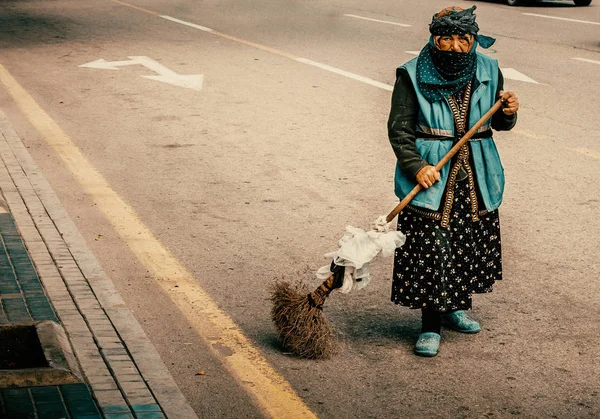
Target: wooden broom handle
(447, 157)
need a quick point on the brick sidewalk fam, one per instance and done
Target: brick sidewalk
(47, 273)
(22, 299)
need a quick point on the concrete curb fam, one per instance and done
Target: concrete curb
(119, 361)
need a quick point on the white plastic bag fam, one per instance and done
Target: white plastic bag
(357, 249)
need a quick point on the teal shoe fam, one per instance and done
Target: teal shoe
(428, 344)
(459, 320)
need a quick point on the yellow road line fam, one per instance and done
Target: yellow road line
(580, 150)
(271, 392)
(255, 45)
(221, 34)
(526, 133)
(268, 49)
(586, 151)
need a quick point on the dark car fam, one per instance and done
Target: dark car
(577, 2)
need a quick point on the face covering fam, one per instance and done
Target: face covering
(441, 74)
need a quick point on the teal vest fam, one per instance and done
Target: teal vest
(436, 118)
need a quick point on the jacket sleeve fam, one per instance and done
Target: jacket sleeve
(402, 123)
(501, 121)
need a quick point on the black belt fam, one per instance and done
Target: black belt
(424, 136)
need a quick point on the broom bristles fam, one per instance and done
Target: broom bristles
(301, 325)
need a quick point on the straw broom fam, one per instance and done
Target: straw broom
(299, 319)
(298, 315)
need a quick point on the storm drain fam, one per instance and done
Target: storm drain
(36, 354)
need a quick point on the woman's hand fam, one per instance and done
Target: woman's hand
(510, 104)
(427, 176)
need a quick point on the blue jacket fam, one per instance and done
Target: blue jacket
(436, 119)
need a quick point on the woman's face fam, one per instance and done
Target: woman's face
(457, 43)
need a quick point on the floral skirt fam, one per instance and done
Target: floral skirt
(440, 267)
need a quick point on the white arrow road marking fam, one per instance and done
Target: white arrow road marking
(512, 74)
(108, 65)
(508, 73)
(380, 21)
(562, 18)
(166, 75)
(222, 337)
(169, 76)
(587, 60)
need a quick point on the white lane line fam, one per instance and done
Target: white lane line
(299, 59)
(346, 74)
(562, 18)
(380, 21)
(587, 60)
(183, 22)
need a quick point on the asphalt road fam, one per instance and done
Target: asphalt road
(255, 176)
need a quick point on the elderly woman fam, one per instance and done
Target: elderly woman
(452, 226)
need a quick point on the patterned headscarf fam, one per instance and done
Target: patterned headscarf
(441, 74)
(459, 22)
